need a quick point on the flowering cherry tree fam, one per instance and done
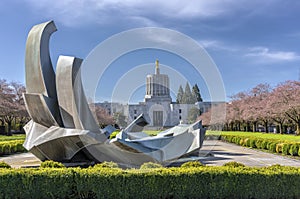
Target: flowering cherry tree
(263, 105)
(286, 102)
(12, 107)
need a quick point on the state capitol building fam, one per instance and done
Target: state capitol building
(157, 107)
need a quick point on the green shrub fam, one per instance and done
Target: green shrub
(106, 165)
(264, 144)
(241, 142)
(51, 164)
(237, 141)
(192, 164)
(272, 147)
(201, 182)
(279, 147)
(228, 138)
(286, 148)
(276, 167)
(233, 140)
(246, 142)
(258, 144)
(268, 144)
(252, 143)
(150, 165)
(11, 146)
(294, 149)
(4, 165)
(234, 164)
(20, 147)
(6, 149)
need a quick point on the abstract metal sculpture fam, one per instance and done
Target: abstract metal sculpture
(64, 129)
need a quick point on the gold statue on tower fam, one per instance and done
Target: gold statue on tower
(157, 67)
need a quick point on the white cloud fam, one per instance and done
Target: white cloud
(266, 55)
(143, 20)
(216, 45)
(73, 12)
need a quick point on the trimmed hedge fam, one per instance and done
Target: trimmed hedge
(196, 182)
(51, 164)
(11, 147)
(106, 165)
(4, 165)
(234, 164)
(286, 148)
(11, 138)
(294, 149)
(274, 146)
(150, 165)
(192, 164)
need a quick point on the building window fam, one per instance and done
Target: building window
(134, 111)
(180, 117)
(179, 110)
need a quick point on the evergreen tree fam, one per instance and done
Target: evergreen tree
(179, 96)
(187, 97)
(196, 93)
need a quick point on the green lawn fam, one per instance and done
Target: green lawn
(152, 132)
(283, 137)
(13, 137)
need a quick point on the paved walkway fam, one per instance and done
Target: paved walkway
(225, 152)
(21, 160)
(213, 152)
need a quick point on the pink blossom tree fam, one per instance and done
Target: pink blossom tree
(7, 105)
(238, 108)
(215, 117)
(11, 103)
(276, 110)
(258, 104)
(103, 117)
(286, 98)
(21, 112)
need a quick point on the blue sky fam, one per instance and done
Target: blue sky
(251, 42)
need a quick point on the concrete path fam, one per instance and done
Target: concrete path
(21, 160)
(225, 152)
(213, 152)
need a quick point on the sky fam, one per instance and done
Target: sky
(250, 42)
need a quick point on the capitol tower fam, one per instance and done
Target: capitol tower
(157, 86)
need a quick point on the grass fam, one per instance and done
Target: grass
(11, 138)
(272, 136)
(152, 132)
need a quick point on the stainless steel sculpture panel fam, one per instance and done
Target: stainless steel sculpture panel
(64, 129)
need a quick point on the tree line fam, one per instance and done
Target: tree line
(12, 107)
(263, 105)
(13, 113)
(104, 118)
(188, 96)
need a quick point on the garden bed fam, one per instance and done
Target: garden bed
(274, 143)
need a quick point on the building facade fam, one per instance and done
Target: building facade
(157, 107)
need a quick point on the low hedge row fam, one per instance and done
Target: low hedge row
(11, 138)
(10, 147)
(274, 146)
(194, 182)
